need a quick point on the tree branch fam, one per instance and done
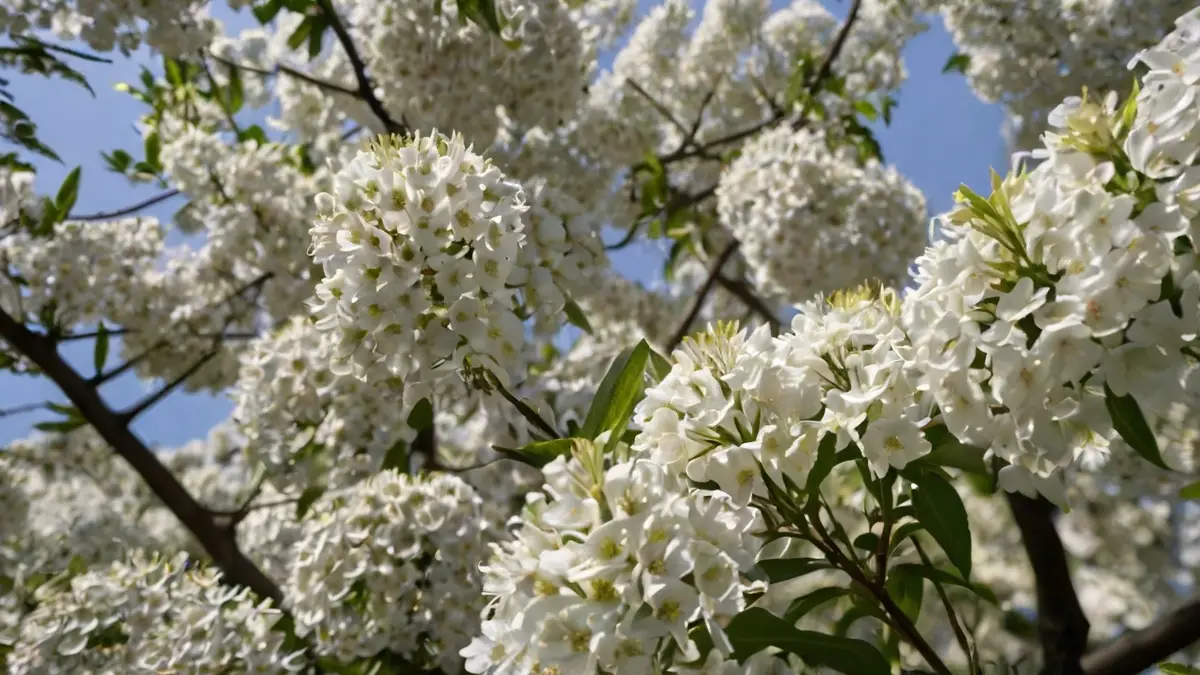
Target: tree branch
(366, 90)
(1138, 650)
(714, 270)
(746, 294)
(219, 542)
(1062, 625)
(128, 210)
(127, 416)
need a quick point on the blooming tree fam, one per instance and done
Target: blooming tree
(820, 442)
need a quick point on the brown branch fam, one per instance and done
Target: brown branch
(714, 270)
(1138, 650)
(128, 210)
(366, 90)
(281, 68)
(756, 304)
(219, 542)
(1062, 625)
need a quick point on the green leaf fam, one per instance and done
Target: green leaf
(482, 13)
(539, 453)
(957, 63)
(301, 33)
(949, 451)
(316, 36)
(421, 416)
(943, 577)
(68, 192)
(1177, 669)
(100, 352)
(620, 390)
(867, 541)
(886, 108)
(1190, 491)
(756, 629)
(904, 532)
(266, 11)
(254, 133)
(118, 160)
(396, 457)
(1128, 420)
(61, 426)
(826, 460)
(866, 109)
(907, 590)
(153, 148)
(660, 366)
(804, 604)
(782, 569)
(174, 72)
(307, 499)
(235, 94)
(576, 317)
(941, 511)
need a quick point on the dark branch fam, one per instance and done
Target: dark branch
(299, 75)
(1138, 650)
(366, 90)
(1062, 625)
(746, 294)
(714, 270)
(22, 409)
(218, 541)
(129, 210)
(148, 402)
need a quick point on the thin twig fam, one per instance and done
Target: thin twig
(128, 210)
(658, 105)
(22, 409)
(714, 270)
(298, 74)
(950, 613)
(146, 403)
(753, 302)
(366, 90)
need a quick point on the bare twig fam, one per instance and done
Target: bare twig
(22, 409)
(366, 90)
(218, 542)
(1138, 650)
(298, 74)
(1062, 625)
(714, 270)
(128, 210)
(148, 402)
(659, 106)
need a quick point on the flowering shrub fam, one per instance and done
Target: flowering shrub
(461, 441)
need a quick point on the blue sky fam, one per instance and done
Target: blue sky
(940, 136)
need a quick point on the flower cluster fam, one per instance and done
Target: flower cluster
(149, 615)
(1072, 292)
(86, 270)
(421, 246)
(810, 219)
(391, 567)
(173, 27)
(1032, 54)
(614, 561)
(307, 425)
(732, 402)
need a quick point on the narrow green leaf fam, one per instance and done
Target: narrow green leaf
(316, 37)
(1128, 420)
(235, 94)
(867, 541)
(660, 366)
(756, 629)
(266, 11)
(421, 416)
(907, 590)
(307, 499)
(300, 35)
(540, 453)
(61, 426)
(1177, 669)
(782, 569)
(68, 192)
(100, 352)
(866, 109)
(576, 317)
(957, 63)
(904, 532)
(1191, 492)
(826, 460)
(943, 577)
(804, 604)
(153, 148)
(941, 511)
(620, 390)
